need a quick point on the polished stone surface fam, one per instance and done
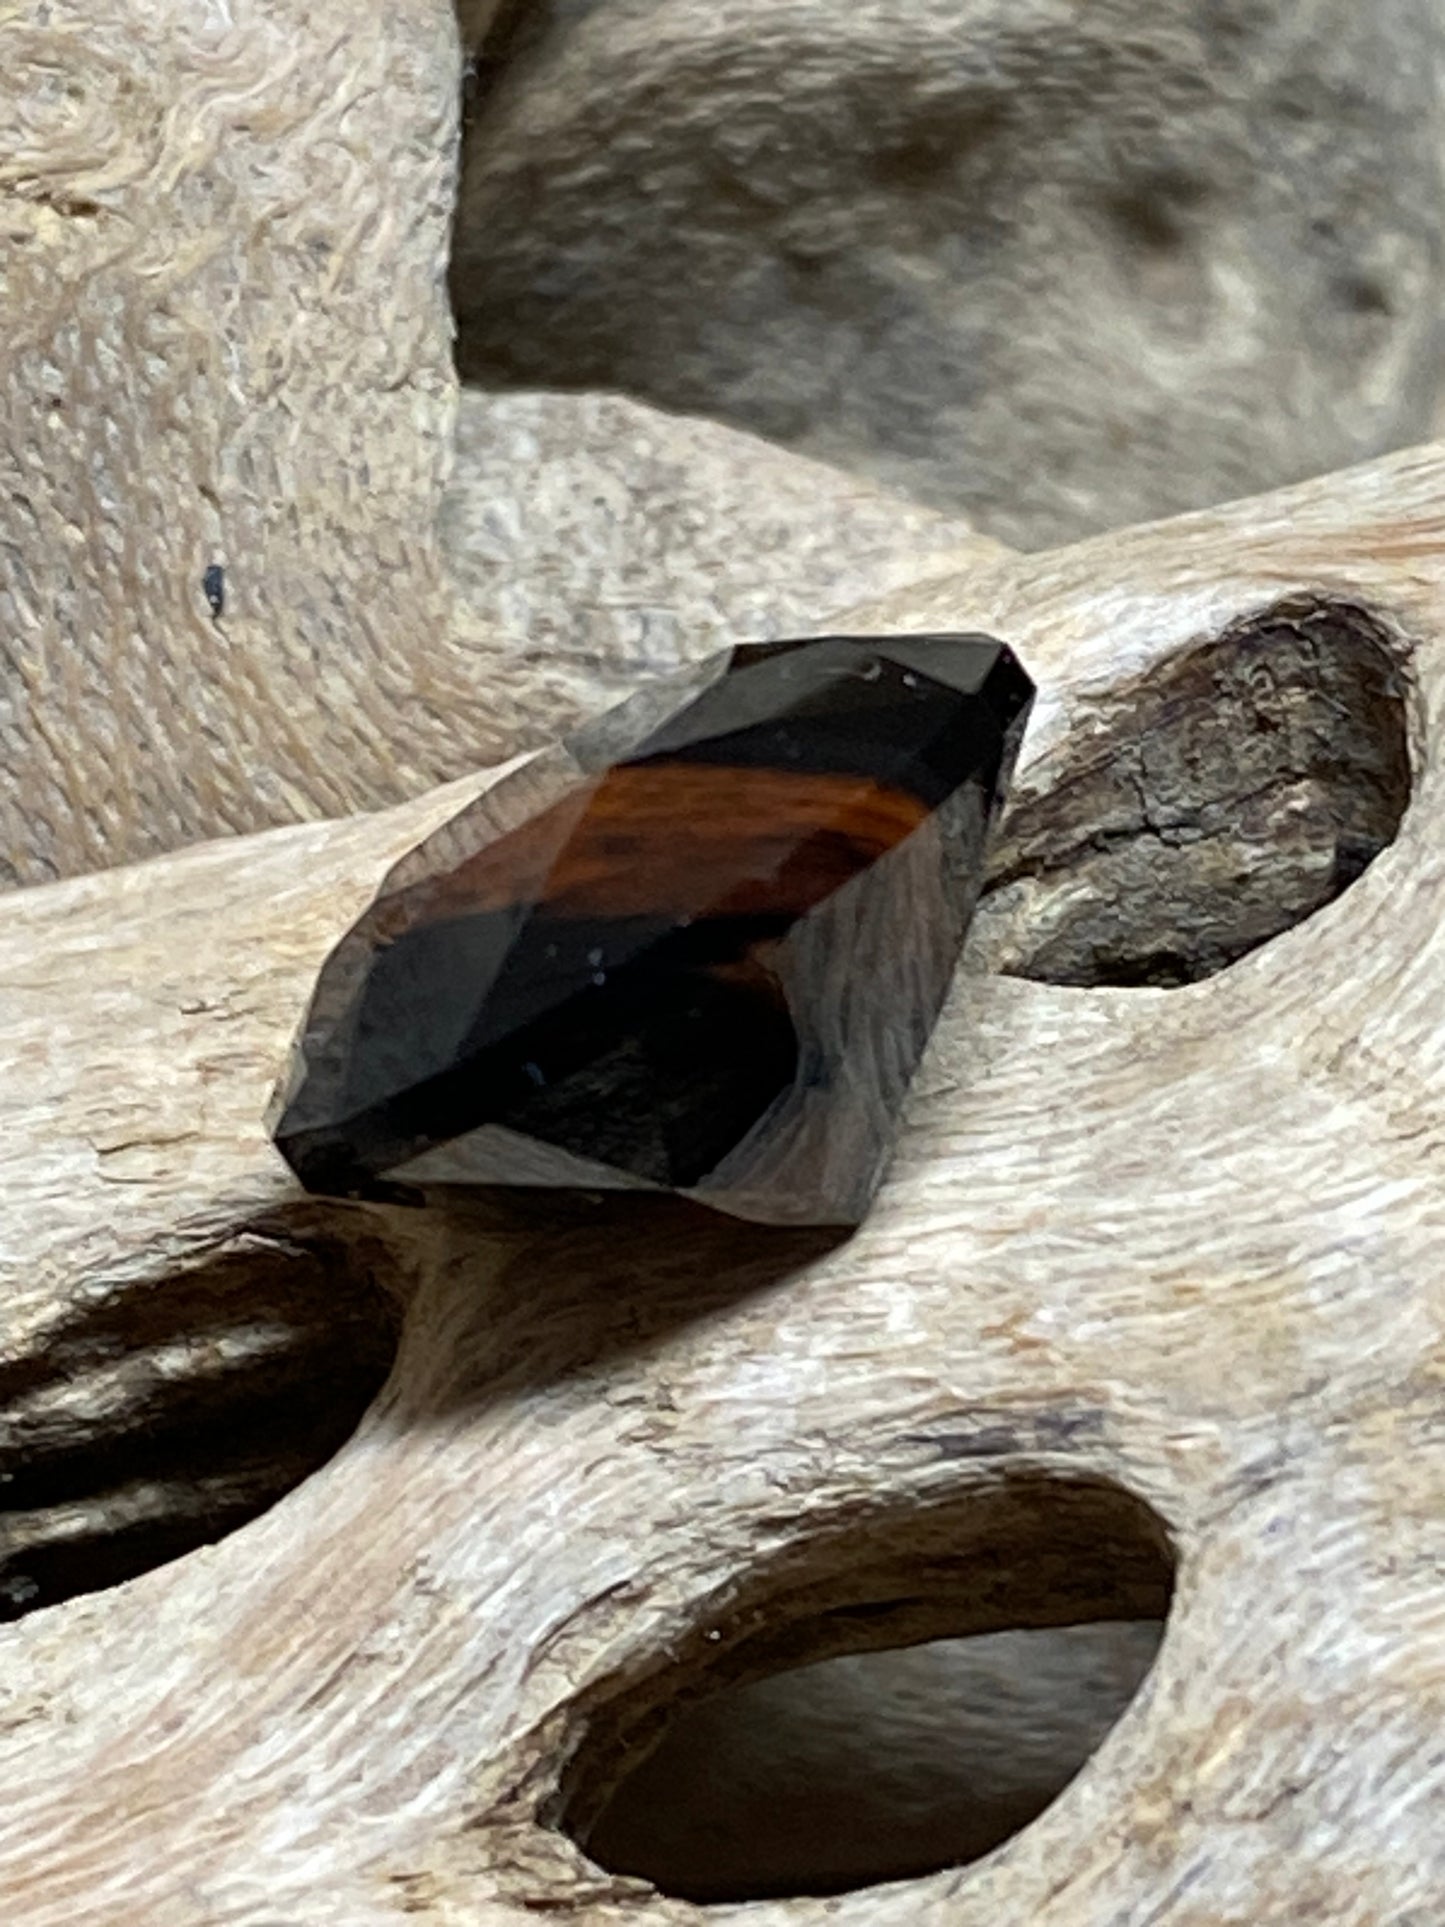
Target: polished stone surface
(711, 964)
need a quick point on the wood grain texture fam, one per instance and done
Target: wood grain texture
(595, 543)
(1151, 1300)
(225, 342)
(225, 345)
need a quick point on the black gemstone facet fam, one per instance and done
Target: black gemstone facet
(708, 961)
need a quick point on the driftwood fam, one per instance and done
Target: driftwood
(1147, 1320)
(223, 348)
(1061, 267)
(226, 346)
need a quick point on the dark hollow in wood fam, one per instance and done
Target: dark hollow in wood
(1003, 1553)
(117, 1455)
(1209, 807)
(923, 1758)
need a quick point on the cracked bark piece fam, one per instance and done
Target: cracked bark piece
(711, 967)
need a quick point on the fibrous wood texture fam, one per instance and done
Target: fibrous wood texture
(1155, 1278)
(597, 542)
(1150, 1304)
(225, 237)
(225, 342)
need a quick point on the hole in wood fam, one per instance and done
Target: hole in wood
(812, 1748)
(1210, 807)
(143, 1427)
(874, 1767)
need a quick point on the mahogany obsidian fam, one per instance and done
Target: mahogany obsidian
(711, 964)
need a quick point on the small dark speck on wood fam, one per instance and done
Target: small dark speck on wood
(213, 582)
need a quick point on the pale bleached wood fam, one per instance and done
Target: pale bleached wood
(594, 542)
(225, 341)
(1183, 1246)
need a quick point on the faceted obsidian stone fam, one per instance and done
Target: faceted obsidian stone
(709, 961)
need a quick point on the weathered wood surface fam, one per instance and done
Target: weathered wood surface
(1156, 1277)
(1062, 266)
(223, 308)
(225, 342)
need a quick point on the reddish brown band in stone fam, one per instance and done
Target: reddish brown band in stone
(711, 968)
